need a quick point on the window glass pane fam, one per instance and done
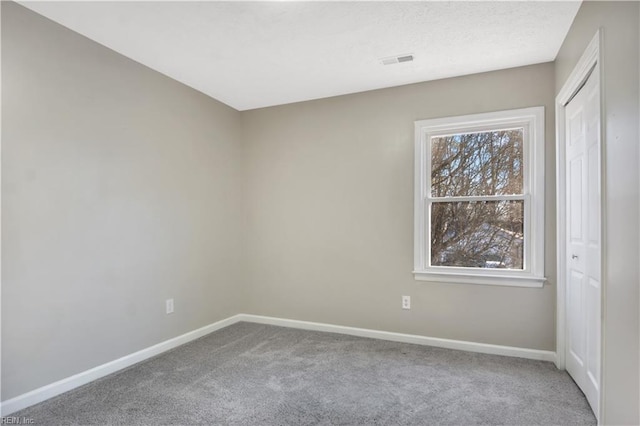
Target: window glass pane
(483, 234)
(469, 164)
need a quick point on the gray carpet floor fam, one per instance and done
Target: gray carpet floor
(251, 374)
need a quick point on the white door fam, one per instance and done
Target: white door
(583, 239)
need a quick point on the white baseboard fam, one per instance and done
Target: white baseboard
(49, 391)
(54, 389)
(484, 348)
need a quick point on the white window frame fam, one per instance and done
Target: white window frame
(532, 120)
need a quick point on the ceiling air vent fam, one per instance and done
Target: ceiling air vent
(396, 59)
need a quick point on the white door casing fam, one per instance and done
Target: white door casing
(583, 238)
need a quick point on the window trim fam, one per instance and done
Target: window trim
(532, 119)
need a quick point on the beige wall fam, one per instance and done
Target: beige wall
(120, 189)
(619, 23)
(330, 213)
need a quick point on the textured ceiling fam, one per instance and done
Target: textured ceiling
(256, 54)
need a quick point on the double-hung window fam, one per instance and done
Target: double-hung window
(479, 198)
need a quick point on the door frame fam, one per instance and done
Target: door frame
(590, 59)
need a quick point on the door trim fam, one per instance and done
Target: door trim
(590, 59)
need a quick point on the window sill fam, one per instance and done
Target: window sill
(509, 280)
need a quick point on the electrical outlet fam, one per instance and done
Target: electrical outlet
(406, 302)
(169, 304)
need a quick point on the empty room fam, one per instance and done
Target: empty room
(335, 213)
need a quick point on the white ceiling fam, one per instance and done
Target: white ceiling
(256, 54)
